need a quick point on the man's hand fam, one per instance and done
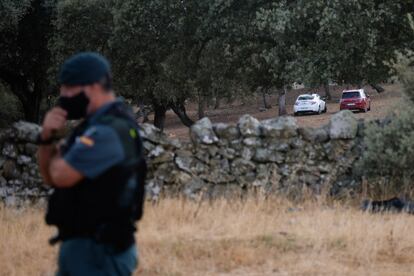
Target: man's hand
(54, 120)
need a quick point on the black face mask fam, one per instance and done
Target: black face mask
(75, 106)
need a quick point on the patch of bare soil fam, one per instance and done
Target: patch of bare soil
(381, 105)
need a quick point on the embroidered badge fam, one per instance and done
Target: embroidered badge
(87, 141)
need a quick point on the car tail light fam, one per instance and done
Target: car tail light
(296, 103)
(312, 103)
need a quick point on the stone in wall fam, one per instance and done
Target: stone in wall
(315, 135)
(280, 127)
(249, 126)
(343, 125)
(226, 132)
(202, 132)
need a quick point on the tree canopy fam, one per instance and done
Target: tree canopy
(166, 53)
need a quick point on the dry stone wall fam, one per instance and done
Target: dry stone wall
(271, 156)
(20, 179)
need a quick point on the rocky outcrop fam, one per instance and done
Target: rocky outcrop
(271, 156)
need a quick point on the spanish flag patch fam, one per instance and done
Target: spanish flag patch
(86, 141)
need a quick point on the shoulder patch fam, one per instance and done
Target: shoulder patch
(87, 141)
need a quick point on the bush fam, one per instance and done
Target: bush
(388, 160)
(10, 107)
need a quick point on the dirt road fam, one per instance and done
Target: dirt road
(382, 104)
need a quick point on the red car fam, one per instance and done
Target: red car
(355, 100)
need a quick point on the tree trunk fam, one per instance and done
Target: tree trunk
(36, 99)
(159, 116)
(282, 102)
(179, 109)
(266, 104)
(30, 109)
(201, 107)
(327, 91)
(217, 104)
(217, 99)
(210, 101)
(30, 101)
(143, 112)
(377, 87)
(27, 77)
(30, 98)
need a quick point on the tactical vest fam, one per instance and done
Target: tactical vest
(105, 208)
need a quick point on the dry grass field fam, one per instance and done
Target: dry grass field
(252, 237)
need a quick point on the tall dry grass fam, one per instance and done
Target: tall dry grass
(252, 237)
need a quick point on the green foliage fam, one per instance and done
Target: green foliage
(24, 57)
(166, 52)
(389, 155)
(404, 66)
(341, 41)
(154, 40)
(11, 11)
(79, 26)
(390, 148)
(11, 109)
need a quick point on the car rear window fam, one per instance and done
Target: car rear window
(349, 95)
(305, 98)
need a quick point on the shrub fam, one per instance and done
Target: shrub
(10, 107)
(388, 158)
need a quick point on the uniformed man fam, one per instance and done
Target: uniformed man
(97, 174)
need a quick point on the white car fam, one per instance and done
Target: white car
(309, 103)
